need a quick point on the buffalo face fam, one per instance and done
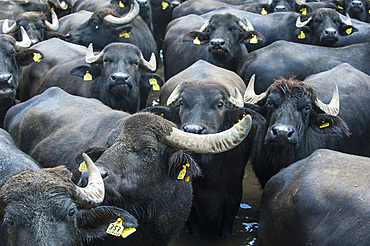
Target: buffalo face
(355, 8)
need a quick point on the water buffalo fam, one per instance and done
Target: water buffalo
(358, 9)
(298, 122)
(219, 40)
(320, 200)
(44, 207)
(285, 59)
(106, 26)
(11, 59)
(205, 99)
(146, 170)
(11, 9)
(36, 26)
(118, 76)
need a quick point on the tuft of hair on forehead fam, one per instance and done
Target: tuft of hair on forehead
(32, 15)
(292, 87)
(101, 13)
(224, 17)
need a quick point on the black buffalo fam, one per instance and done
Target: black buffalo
(140, 156)
(298, 122)
(106, 26)
(11, 59)
(205, 99)
(358, 9)
(320, 200)
(118, 76)
(219, 40)
(44, 207)
(36, 26)
(11, 9)
(283, 58)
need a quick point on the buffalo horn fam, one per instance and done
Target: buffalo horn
(25, 43)
(134, 11)
(237, 102)
(246, 28)
(54, 23)
(333, 107)
(151, 65)
(210, 143)
(300, 24)
(90, 57)
(60, 5)
(174, 97)
(204, 26)
(250, 95)
(270, 2)
(300, 2)
(93, 194)
(347, 21)
(7, 29)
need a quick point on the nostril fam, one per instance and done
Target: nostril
(274, 132)
(222, 43)
(114, 78)
(290, 133)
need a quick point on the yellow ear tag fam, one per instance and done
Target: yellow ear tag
(263, 11)
(340, 7)
(183, 171)
(164, 5)
(124, 34)
(153, 82)
(127, 232)
(304, 11)
(82, 167)
(325, 124)
(87, 76)
(349, 31)
(121, 5)
(196, 41)
(37, 57)
(52, 8)
(253, 40)
(302, 35)
(115, 228)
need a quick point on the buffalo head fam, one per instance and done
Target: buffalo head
(282, 6)
(323, 27)
(358, 9)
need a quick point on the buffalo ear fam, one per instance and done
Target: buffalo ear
(148, 81)
(252, 37)
(123, 31)
(195, 36)
(180, 161)
(329, 124)
(345, 30)
(86, 72)
(169, 113)
(264, 7)
(26, 57)
(94, 153)
(303, 9)
(93, 223)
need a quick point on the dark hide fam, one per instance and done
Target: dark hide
(10, 61)
(221, 43)
(358, 9)
(293, 128)
(11, 9)
(141, 169)
(320, 200)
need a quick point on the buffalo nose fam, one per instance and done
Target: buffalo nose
(330, 32)
(217, 42)
(281, 131)
(5, 77)
(119, 76)
(175, 4)
(356, 3)
(67, 36)
(193, 128)
(281, 9)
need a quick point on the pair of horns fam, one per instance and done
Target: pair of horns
(332, 108)
(91, 59)
(300, 24)
(134, 11)
(245, 28)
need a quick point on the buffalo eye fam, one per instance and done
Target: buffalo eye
(9, 221)
(308, 107)
(220, 105)
(181, 103)
(12, 52)
(71, 212)
(234, 28)
(136, 63)
(269, 104)
(96, 27)
(210, 28)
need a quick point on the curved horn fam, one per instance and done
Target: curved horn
(90, 57)
(54, 23)
(250, 95)
(333, 107)
(347, 21)
(204, 26)
(93, 193)
(210, 143)
(25, 43)
(134, 11)
(245, 28)
(300, 2)
(174, 97)
(269, 2)
(151, 65)
(7, 29)
(300, 24)
(60, 5)
(237, 102)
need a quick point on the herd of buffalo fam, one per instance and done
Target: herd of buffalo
(87, 158)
